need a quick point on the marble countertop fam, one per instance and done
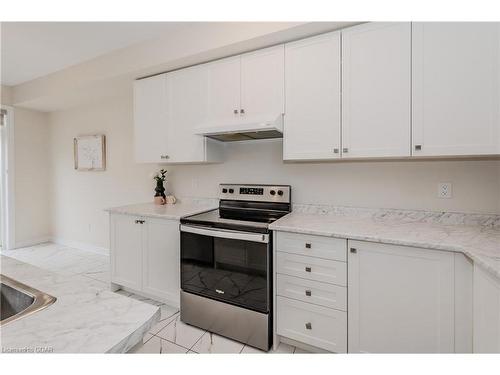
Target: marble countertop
(86, 318)
(477, 236)
(167, 211)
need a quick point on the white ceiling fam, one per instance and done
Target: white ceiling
(34, 49)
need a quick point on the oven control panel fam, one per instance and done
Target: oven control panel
(252, 190)
(263, 193)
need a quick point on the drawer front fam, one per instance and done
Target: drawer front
(314, 325)
(323, 294)
(328, 271)
(316, 246)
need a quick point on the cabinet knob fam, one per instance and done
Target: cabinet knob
(242, 111)
(308, 326)
(418, 147)
(345, 149)
(308, 293)
(308, 245)
(308, 269)
(353, 250)
(335, 150)
(164, 156)
(235, 111)
(139, 221)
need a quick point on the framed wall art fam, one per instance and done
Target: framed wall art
(90, 152)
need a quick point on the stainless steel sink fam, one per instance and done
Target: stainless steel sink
(18, 300)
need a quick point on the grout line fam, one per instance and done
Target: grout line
(191, 348)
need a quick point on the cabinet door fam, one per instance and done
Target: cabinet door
(161, 260)
(400, 299)
(376, 102)
(126, 251)
(223, 88)
(151, 119)
(456, 82)
(312, 113)
(188, 101)
(262, 83)
(486, 312)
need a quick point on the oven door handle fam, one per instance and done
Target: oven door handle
(224, 233)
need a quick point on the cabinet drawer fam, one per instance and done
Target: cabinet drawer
(316, 246)
(314, 325)
(329, 271)
(323, 294)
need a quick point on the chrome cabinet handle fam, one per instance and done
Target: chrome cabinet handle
(345, 149)
(353, 250)
(308, 326)
(418, 147)
(235, 111)
(140, 221)
(242, 111)
(308, 245)
(308, 293)
(164, 156)
(335, 150)
(308, 269)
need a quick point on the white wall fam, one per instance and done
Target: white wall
(5, 95)
(32, 176)
(388, 184)
(78, 198)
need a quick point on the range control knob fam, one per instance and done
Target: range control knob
(231, 191)
(272, 192)
(224, 190)
(280, 192)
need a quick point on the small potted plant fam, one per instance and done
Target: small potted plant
(160, 177)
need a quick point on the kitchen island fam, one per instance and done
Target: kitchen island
(85, 318)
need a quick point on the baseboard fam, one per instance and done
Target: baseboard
(80, 245)
(32, 242)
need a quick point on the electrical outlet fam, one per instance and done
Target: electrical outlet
(444, 190)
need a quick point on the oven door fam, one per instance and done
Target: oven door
(226, 265)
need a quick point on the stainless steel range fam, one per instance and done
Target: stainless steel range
(226, 263)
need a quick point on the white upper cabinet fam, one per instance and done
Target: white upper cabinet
(376, 90)
(456, 82)
(188, 108)
(223, 90)
(151, 119)
(245, 88)
(262, 83)
(312, 113)
(167, 109)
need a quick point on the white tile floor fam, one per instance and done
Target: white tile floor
(169, 335)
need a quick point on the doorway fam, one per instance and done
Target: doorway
(6, 178)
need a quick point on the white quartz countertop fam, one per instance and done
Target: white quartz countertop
(477, 236)
(86, 318)
(166, 211)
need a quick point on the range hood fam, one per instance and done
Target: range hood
(245, 129)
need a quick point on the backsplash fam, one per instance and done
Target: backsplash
(445, 218)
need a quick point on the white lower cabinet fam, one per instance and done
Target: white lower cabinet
(382, 298)
(145, 256)
(311, 292)
(313, 325)
(126, 251)
(161, 259)
(401, 299)
(486, 312)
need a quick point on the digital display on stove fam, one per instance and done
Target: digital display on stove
(252, 191)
